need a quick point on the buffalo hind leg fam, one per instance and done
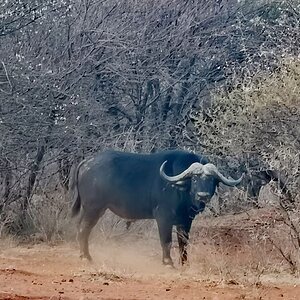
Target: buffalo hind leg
(86, 223)
(165, 235)
(183, 238)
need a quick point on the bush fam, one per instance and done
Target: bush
(259, 119)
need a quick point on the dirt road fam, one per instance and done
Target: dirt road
(55, 272)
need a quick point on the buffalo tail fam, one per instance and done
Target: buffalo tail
(74, 192)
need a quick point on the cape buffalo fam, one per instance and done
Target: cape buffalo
(171, 187)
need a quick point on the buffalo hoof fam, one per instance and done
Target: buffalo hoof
(169, 267)
(86, 257)
(168, 262)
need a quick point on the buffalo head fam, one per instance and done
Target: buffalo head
(203, 180)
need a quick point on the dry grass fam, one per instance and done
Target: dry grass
(7, 241)
(239, 247)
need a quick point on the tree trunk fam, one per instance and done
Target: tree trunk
(35, 167)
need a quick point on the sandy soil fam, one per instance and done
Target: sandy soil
(133, 270)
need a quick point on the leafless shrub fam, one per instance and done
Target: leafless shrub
(5, 220)
(49, 216)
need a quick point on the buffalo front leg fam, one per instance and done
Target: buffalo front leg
(165, 235)
(183, 238)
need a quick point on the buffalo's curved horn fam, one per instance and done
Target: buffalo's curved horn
(199, 169)
(193, 169)
(210, 169)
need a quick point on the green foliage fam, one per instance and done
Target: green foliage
(258, 117)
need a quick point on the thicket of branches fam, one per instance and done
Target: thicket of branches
(79, 76)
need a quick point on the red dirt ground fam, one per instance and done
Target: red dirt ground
(122, 271)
